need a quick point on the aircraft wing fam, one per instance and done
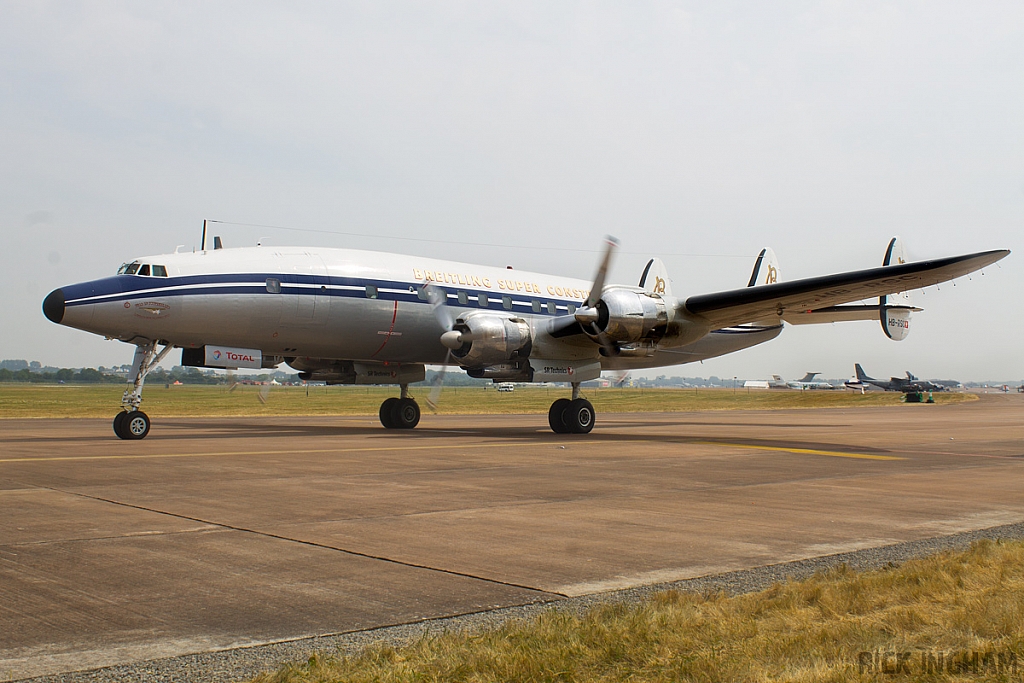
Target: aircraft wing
(750, 304)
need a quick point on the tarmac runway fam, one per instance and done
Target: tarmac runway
(224, 532)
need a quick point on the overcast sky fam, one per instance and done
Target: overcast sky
(700, 132)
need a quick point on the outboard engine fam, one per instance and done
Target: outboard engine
(628, 316)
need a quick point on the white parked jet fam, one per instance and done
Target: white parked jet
(361, 317)
(808, 382)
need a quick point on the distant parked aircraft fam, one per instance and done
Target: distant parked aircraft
(808, 382)
(905, 384)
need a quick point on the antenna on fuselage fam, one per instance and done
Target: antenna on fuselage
(202, 245)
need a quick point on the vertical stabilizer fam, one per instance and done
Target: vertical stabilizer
(894, 309)
(766, 269)
(861, 375)
(655, 279)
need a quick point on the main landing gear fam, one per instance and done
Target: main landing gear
(131, 423)
(400, 413)
(574, 416)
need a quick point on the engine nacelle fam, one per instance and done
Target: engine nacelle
(492, 340)
(628, 316)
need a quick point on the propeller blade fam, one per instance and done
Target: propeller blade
(438, 384)
(602, 272)
(438, 299)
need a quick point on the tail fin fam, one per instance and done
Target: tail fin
(894, 309)
(655, 278)
(766, 269)
(861, 375)
(809, 377)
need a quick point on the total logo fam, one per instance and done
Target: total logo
(217, 354)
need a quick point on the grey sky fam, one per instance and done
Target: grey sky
(700, 131)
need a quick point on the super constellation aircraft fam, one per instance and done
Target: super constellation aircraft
(360, 317)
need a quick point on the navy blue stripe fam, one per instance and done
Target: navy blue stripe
(127, 287)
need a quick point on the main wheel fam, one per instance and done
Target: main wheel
(119, 423)
(556, 416)
(387, 413)
(135, 425)
(579, 416)
(406, 414)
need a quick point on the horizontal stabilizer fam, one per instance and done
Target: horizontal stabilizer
(749, 304)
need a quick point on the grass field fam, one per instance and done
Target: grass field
(952, 617)
(19, 401)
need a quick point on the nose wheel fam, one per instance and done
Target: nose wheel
(131, 425)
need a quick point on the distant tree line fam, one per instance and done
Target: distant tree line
(83, 376)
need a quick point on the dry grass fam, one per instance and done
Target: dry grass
(949, 606)
(192, 400)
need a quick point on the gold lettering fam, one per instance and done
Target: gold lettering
(417, 274)
(551, 290)
(487, 283)
(476, 281)
(428, 275)
(462, 280)
(519, 286)
(501, 284)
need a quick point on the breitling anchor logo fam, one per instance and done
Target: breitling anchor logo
(659, 285)
(773, 275)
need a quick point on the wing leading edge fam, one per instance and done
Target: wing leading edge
(739, 306)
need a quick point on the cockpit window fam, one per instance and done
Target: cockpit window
(131, 268)
(159, 271)
(144, 270)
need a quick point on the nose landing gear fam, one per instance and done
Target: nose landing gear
(400, 413)
(131, 423)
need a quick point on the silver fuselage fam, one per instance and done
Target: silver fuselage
(344, 304)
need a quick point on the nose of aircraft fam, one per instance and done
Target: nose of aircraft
(53, 306)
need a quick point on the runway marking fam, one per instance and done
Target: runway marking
(802, 451)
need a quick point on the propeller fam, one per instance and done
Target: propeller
(452, 339)
(588, 315)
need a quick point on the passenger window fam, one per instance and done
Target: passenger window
(131, 269)
(273, 285)
(371, 292)
(551, 308)
(144, 270)
(421, 293)
(159, 271)
(506, 303)
(536, 306)
(482, 300)
(570, 308)
(463, 298)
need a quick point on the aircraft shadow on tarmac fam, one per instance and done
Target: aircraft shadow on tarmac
(184, 429)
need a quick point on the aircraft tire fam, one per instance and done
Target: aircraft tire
(556, 416)
(579, 416)
(119, 423)
(135, 425)
(387, 413)
(405, 414)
